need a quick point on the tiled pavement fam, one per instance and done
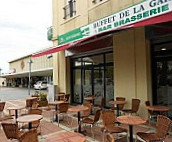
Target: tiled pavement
(49, 128)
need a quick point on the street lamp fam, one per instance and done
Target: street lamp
(30, 62)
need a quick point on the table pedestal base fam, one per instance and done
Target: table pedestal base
(131, 132)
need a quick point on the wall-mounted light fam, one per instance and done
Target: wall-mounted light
(93, 1)
(49, 56)
(163, 49)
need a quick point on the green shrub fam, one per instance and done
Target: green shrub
(42, 96)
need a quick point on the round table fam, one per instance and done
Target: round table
(16, 108)
(160, 109)
(131, 120)
(66, 136)
(56, 103)
(78, 109)
(29, 119)
(90, 99)
(117, 103)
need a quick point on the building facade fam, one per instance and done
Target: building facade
(113, 48)
(41, 69)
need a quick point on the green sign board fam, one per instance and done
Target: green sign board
(50, 33)
(139, 12)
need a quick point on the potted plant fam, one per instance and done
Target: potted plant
(42, 101)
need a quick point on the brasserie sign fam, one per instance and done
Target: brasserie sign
(142, 11)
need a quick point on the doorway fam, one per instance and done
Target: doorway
(93, 74)
(162, 71)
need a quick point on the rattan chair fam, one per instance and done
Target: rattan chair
(35, 105)
(63, 108)
(150, 112)
(162, 127)
(29, 136)
(101, 106)
(134, 108)
(90, 101)
(2, 105)
(11, 131)
(92, 121)
(30, 102)
(3, 117)
(86, 113)
(108, 117)
(67, 98)
(109, 138)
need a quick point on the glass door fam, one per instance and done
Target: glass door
(162, 74)
(93, 75)
(164, 83)
(99, 83)
(87, 82)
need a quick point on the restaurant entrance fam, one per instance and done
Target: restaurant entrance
(93, 74)
(162, 71)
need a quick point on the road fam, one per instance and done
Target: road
(7, 94)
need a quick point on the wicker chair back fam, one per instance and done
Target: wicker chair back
(2, 105)
(135, 105)
(29, 136)
(11, 130)
(63, 107)
(163, 125)
(108, 117)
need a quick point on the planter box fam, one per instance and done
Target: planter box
(42, 103)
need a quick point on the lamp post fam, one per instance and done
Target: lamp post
(30, 62)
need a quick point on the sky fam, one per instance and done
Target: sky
(23, 28)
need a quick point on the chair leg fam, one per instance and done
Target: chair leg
(127, 137)
(72, 122)
(103, 136)
(58, 119)
(67, 119)
(92, 131)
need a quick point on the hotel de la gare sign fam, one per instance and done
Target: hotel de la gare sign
(124, 18)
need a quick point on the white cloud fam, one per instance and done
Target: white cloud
(23, 28)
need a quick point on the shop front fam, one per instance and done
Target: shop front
(118, 56)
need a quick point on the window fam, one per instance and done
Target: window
(69, 9)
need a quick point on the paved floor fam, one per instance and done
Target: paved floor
(49, 127)
(9, 93)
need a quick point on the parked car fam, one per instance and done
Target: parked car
(40, 85)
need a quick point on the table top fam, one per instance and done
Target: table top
(117, 102)
(29, 118)
(158, 108)
(78, 108)
(131, 120)
(31, 98)
(89, 98)
(56, 102)
(15, 107)
(66, 137)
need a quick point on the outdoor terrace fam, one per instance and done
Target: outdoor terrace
(69, 123)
